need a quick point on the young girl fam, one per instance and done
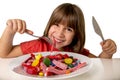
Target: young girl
(66, 29)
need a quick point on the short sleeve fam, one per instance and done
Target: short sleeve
(85, 52)
(39, 45)
(30, 46)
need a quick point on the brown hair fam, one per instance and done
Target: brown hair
(73, 16)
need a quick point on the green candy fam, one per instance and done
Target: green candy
(46, 61)
(70, 65)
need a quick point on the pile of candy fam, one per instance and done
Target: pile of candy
(51, 64)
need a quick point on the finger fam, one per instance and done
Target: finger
(14, 25)
(107, 46)
(101, 43)
(20, 26)
(9, 23)
(110, 51)
(24, 26)
(107, 43)
(29, 31)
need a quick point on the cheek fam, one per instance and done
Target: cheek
(51, 31)
(70, 38)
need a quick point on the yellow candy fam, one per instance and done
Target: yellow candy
(68, 60)
(35, 62)
(41, 74)
(38, 56)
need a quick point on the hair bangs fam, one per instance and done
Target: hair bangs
(67, 18)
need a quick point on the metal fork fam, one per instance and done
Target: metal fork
(33, 35)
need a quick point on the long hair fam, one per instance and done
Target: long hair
(73, 16)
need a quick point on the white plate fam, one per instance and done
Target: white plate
(15, 66)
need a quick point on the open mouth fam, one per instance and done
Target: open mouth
(58, 40)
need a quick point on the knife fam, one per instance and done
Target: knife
(97, 28)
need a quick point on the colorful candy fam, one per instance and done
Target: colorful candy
(41, 74)
(51, 64)
(46, 61)
(68, 60)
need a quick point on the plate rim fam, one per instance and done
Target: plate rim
(12, 66)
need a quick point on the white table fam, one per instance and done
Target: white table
(103, 69)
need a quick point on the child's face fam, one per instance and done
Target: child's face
(62, 34)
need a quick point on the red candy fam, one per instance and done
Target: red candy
(30, 69)
(51, 64)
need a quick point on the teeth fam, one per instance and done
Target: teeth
(57, 40)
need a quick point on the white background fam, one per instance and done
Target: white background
(36, 13)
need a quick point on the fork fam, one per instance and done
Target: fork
(53, 43)
(33, 35)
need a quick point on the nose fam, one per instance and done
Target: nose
(60, 33)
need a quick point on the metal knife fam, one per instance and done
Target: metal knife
(97, 28)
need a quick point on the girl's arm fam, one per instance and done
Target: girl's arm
(92, 56)
(6, 41)
(6, 47)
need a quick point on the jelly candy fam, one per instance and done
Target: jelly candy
(68, 60)
(46, 61)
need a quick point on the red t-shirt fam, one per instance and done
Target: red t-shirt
(43, 44)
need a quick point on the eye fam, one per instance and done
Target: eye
(69, 29)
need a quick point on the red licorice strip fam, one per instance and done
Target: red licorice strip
(53, 45)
